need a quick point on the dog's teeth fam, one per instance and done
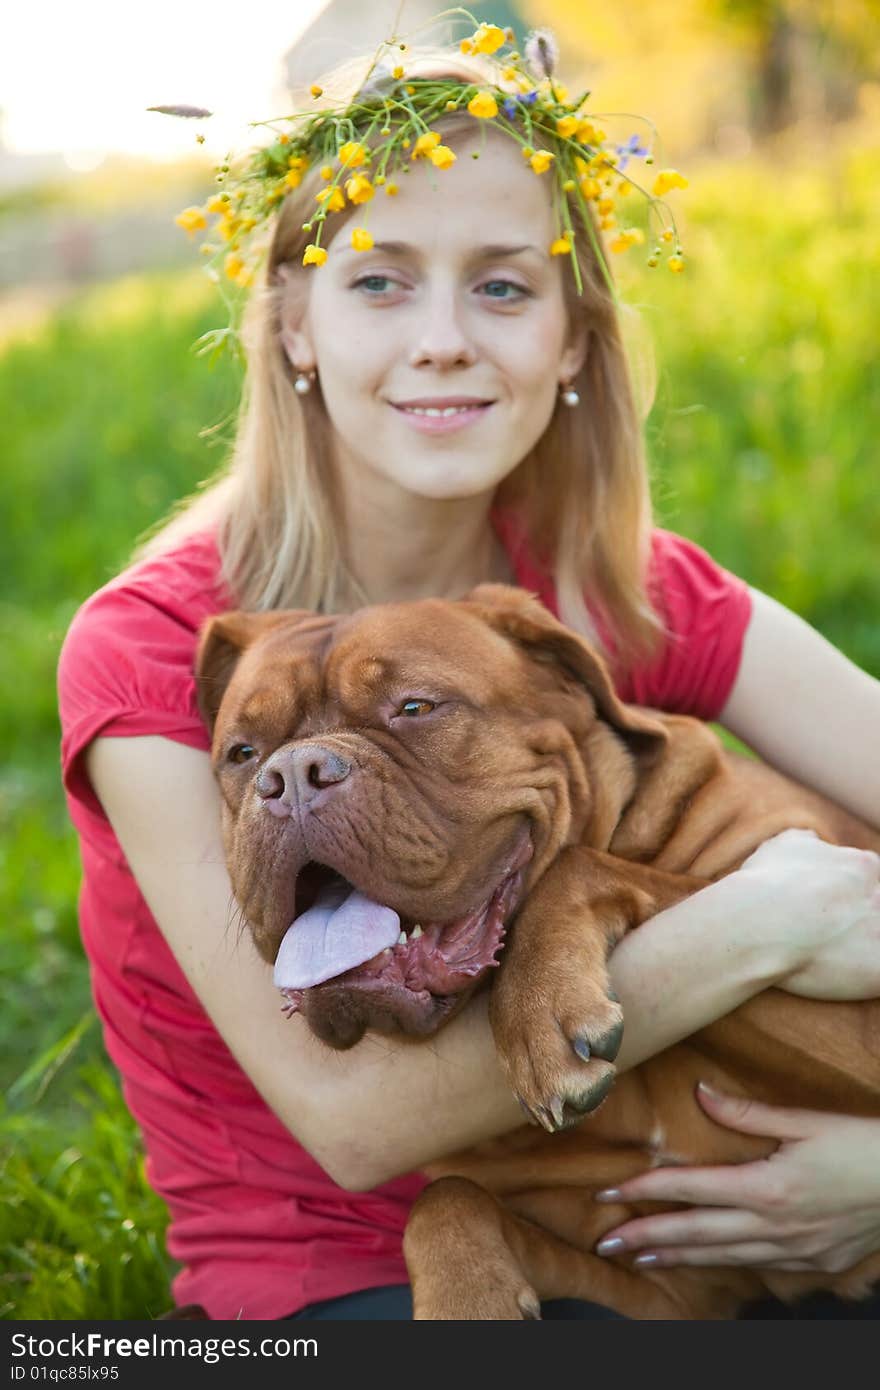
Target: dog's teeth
(416, 932)
(401, 940)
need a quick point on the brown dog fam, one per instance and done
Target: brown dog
(407, 783)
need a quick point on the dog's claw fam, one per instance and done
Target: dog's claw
(608, 1046)
(556, 1110)
(582, 1048)
(528, 1302)
(591, 1100)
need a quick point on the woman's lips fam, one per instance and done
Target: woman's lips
(444, 424)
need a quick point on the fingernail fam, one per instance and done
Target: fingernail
(645, 1260)
(611, 1245)
(608, 1194)
(709, 1091)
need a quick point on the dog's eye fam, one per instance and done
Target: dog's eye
(241, 753)
(413, 708)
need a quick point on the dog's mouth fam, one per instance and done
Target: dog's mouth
(342, 939)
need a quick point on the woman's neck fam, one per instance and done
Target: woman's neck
(438, 550)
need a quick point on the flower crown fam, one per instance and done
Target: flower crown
(367, 145)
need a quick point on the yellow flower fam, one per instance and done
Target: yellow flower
(569, 186)
(326, 172)
(589, 134)
(541, 161)
(191, 220)
(667, 235)
(605, 206)
(466, 46)
(560, 247)
(314, 255)
(297, 161)
(351, 154)
(359, 188)
(487, 39)
(232, 265)
(284, 139)
(668, 178)
(623, 188)
(398, 72)
(361, 239)
(315, 90)
(220, 203)
(675, 263)
(527, 151)
(590, 188)
(629, 236)
(392, 189)
(293, 178)
(228, 226)
(425, 144)
(566, 126)
(510, 74)
(484, 105)
(332, 199)
(442, 157)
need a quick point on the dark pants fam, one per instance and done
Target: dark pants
(394, 1304)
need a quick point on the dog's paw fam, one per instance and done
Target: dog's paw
(498, 1295)
(559, 1057)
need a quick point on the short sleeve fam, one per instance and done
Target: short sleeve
(125, 669)
(706, 611)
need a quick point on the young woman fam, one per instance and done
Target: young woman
(289, 1169)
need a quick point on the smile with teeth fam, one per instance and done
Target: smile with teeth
(447, 410)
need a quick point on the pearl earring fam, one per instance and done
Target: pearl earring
(303, 383)
(570, 396)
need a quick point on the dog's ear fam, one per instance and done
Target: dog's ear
(222, 640)
(521, 616)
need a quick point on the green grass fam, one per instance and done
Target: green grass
(763, 448)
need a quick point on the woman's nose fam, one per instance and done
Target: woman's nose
(442, 335)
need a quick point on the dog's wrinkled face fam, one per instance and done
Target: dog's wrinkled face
(393, 781)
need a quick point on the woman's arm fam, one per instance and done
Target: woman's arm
(390, 1105)
(815, 1203)
(807, 710)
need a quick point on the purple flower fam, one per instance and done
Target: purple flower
(633, 146)
(530, 98)
(509, 108)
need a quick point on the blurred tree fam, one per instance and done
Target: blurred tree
(809, 56)
(704, 67)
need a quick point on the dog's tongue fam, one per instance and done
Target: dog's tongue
(342, 929)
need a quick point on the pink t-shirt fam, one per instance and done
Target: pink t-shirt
(258, 1226)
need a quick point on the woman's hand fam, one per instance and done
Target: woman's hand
(824, 900)
(814, 1204)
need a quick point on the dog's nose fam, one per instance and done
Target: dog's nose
(296, 774)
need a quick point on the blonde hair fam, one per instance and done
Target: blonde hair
(581, 493)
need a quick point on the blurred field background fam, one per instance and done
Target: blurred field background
(763, 445)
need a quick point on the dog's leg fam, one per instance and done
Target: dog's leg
(556, 1025)
(470, 1258)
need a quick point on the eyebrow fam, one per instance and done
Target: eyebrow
(403, 248)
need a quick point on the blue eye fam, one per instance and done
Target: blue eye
(359, 284)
